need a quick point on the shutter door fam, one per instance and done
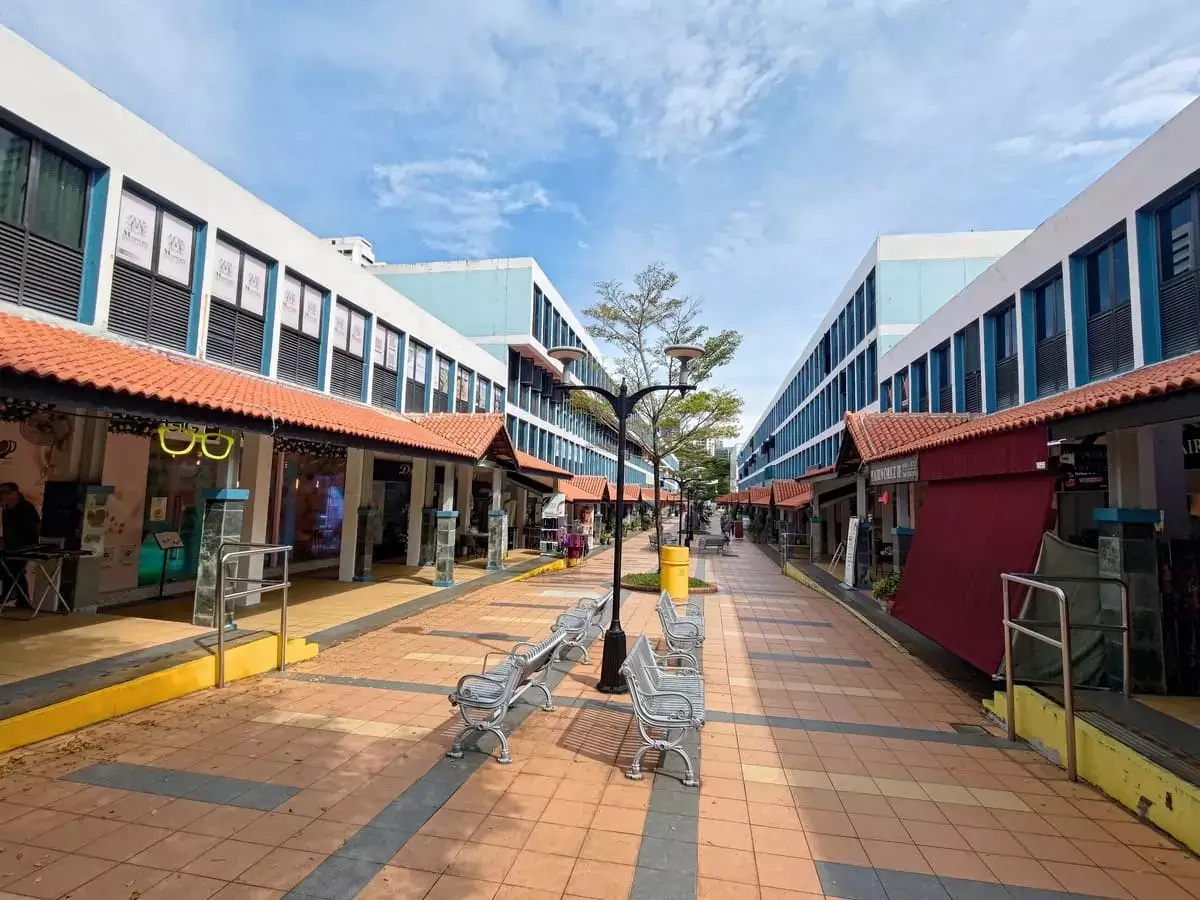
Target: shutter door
(235, 337)
(946, 399)
(973, 389)
(1006, 383)
(299, 358)
(170, 314)
(1100, 345)
(12, 259)
(346, 376)
(414, 397)
(1052, 366)
(129, 310)
(383, 388)
(1179, 315)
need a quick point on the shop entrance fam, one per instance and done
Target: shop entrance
(391, 494)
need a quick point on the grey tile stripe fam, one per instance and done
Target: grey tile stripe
(351, 868)
(817, 660)
(864, 883)
(799, 623)
(667, 866)
(532, 605)
(894, 732)
(185, 785)
(478, 635)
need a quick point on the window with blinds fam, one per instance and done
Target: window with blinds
(417, 374)
(238, 300)
(1050, 334)
(43, 207)
(1109, 309)
(300, 311)
(944, 386)
(152, 276)
(348, 336)
(1004, 332)
(972, 367)
(462, 390)
(441, 385)
(1179, 286)
(385, 362)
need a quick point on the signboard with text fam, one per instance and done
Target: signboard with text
(894, 471)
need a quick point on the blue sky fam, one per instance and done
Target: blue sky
(756, 146)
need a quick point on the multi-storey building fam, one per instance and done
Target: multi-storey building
(901, 281)
(1107, 284)
(515, 313)
(141, 288)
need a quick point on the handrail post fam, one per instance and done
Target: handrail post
(1064, 618)
(219, 615)
(283, 610)
(1008, 664)
(1126, 643)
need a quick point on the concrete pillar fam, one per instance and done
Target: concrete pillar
(463, 496)
(1170, 480)
(817, 527)
(522, 515)
(352, 500)
(258, 453)
(417, 500)
(447, 534)
(82, 460)
(224, 513)
(497, 527)
(1124, 476)
(860, 497)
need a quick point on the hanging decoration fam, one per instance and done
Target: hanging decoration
(137, 426)
(180, 440)
(13, 410)
(300, 447)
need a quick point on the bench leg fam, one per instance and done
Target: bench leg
(568, 646)
(663, 746)
(549, 707)
(456, 749)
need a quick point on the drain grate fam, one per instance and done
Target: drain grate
(962, 728)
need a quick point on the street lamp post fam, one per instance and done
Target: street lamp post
(622, 403)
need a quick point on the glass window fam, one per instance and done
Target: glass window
(1005, 324)
(1177, 239)
(463, 387)
(349, 329)
(418, 362)
(385, 350)
(14, 173)
(443, 375)
(498, 399)
(1049, 311)
(60, 200)
(1106, 277)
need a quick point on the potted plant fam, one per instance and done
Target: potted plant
(884, 589)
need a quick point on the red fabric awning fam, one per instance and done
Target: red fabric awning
(968, 532)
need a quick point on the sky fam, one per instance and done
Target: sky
(757, 147)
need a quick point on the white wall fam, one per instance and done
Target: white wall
(1167, 157)
(54, 100)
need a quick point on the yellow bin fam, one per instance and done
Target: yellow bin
(673, 566)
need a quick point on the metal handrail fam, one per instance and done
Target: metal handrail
(1021, 626)
(263, 586)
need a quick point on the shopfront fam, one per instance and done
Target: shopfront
(307, 505)
(391, 496)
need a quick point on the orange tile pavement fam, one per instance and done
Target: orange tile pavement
(775, 804)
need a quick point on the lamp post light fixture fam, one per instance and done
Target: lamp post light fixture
(623, 403)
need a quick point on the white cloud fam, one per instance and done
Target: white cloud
(458, 205)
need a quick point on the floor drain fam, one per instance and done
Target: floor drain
(968, 729)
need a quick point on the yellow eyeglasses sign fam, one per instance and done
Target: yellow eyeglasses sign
(183, 438)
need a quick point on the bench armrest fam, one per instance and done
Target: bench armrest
(674, 627)
(467, 681)
(691, 709)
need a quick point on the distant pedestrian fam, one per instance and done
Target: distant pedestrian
(21, 527)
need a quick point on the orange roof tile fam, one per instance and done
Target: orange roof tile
(784, 489)
(529, 463)
(760, 496)
(475, 432)
(816, 472)
(799, 500)
(633, 492)
(589, 487)
(1162, 379)
(877, 435)
(88, 360)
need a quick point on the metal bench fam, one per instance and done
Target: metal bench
(713, 544)
(683, 633)
(670, 703)
(578, 623)
(489, 694)
(653, 541)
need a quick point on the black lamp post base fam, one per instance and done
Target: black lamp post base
(612, 681)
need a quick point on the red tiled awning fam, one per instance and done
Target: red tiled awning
(534, 466)
(878, 435)
(760, 496)
(57, 354)
(799, 500)
(485, 436)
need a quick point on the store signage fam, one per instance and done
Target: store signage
(180, 440)
(175, 241)
(1191, 446)
(1083, 469)
(135, 235)
(894, 471)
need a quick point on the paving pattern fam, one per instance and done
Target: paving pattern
(832, 765)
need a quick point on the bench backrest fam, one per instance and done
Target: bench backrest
(538, 656)
(642, 655)
(666, 608)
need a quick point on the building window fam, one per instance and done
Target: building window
(920, 382)
(235, 314)
(462, 390)
(1109, 310)
(481, 386)
(871, 321)
(415, 377)
(497, 399)
(1004, 325)
(152, 277)
(43, 205)
(971, 364)
(1179, 286)
(944, 386)
(1050, 333)
(902, 390)
(347, 336)
(537, 312)
(300, 312)
(441, 385)
(385, 358)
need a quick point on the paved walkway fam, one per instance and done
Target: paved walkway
(832, 765)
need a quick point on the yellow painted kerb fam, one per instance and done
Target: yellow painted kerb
(1145, 788)
(242, 661)
(556, 566)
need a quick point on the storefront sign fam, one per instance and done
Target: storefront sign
(135, 234)
(894, 471)
(254, 285)
(175, 249)
(158, 509)
(289, 303)
(1191, 447)
(225, 272)
(1083, 469)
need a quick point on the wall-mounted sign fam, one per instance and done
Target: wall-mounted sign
(895, 471)
(254, 285)
(135, 233)
(1191, 446)
(1083, 468)
(175, 249)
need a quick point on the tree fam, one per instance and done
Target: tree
(639, 325)
(712, 471)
